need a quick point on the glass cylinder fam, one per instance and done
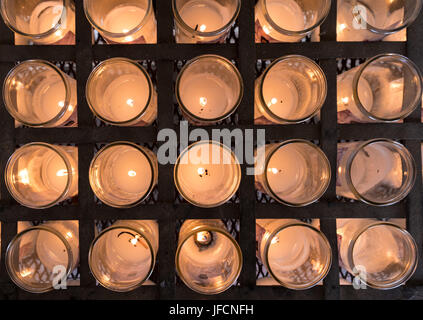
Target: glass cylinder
(291, 90)
(122, 257)
(123, 174)
(123, 21)
(296, 254)
(38, 94)
(41, 21)
(386, 88)
(373, 20)
(208, 259)
(204, 21)
(382, 254)
(42, 257)
(378, 172)
(207, 174)
(120, 92)
(40, 175)
(289, 20)
(295, 172)
(209, 89)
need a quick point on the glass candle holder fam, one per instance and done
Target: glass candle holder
(120, 92)
(373, 20)
(291, 90)
(382, 254)
(295, 172)
(208, 259)
(122, 257)
(204, 21)
(386, 88)
(209, 89)
(123, 21)
(378, 172)
(289, 20)
(297, 255)
(207, 174)
(41, 21)
(38, 94)
(39, 258)
(123, 174)
(40, 175)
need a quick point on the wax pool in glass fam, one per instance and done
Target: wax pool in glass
(381, 254)
(289, 20)
(38, 94)
(39, 256)
(122, 257)
(123, 21)
(373, 20)
(386, 88)
(41, 21)
(296, 254)
(123, 174)
(120, 92)
(294, 172)
(207, 174)
(291, 90)
(208, 259)
(40, 175)
(209, 89)
(202, 21)
(378, 172)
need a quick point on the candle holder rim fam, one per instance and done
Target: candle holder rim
(133, 229)
(405, 276)
(16, 115)
(138, 148)
(357, 78)
(304, 32)
(36, 36)
(197, 33)
(328, 263)
(236, 163)
(118, 34)
(398, 198)
(320, 103)
(94, 73)
(231, 66)
(9, 268)
(212, 229)
(320, 152)
(53, 148)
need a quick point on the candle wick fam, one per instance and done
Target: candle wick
(196, 27)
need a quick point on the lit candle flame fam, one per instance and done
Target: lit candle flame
(203, 28)
(130, 102)
(201, 171)
(62, 173)
(132, 173)
(203, 101)
(23, 176)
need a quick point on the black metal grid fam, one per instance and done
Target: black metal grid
(246, 53)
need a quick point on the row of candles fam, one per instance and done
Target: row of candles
(297, 255)
(207, 21)
(209, 89)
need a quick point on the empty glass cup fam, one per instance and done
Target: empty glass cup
(294, 172)
(291, 90)
(120, 92)
(41, 21)
(122, 257)
(208, 259)
(40, 175)
(39, 259)
(204, 21)
(123, 174)
(386, 88)
(209, 89)
(379, 172)
(289, 20)
(296, 254)
(381, 254)
(38, 94)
